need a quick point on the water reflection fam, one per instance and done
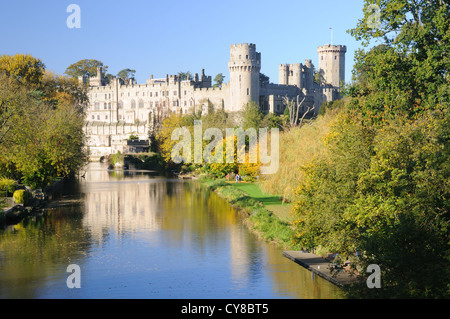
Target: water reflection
(138, 235)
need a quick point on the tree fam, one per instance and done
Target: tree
(185, 75)
(409, 68)
(219, 80)
(41, 124)
(87, 68)
(24, 68)
(263, 79)
(126, 74)
(252, 116)
(293, 111)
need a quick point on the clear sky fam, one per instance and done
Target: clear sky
(165, 37)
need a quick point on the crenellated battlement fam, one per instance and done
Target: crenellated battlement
(243, 46)
(332, 48)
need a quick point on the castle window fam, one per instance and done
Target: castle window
(156, 94)
(106, 96)
(133, 104)
(246, 57)
(109, 105)
(106, 117)
(141, 104)
(185, 92)
(109, 95)
(93, 117)
(248, 91)
(335, 57)
(120, 105)
(151, 104)
(151, 94)
(322, 57)
(98, 117)
(185, 103)
(104, 106)
(97, 105)
(174, 92)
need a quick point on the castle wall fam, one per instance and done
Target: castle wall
(117, 110)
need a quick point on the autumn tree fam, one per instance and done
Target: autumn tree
(41, 124)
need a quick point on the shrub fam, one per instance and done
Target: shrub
(21, 196)
(7, 185)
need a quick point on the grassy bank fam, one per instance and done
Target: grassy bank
(261, 212)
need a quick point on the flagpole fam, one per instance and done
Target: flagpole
(331, 35)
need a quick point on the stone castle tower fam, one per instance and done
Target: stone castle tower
(245, 67)
(332, 64)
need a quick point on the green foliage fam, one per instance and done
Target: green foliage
(263, 79)
(23, 68)
(117, 158)
(408, 73)
(185, 75)
(219, 80)
(133, 137)
(252, 116)
(86, 67)
(126, 74)
(7, 185)
(383, 192)
(21, 196)
(41, 130)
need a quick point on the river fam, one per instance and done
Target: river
(135, 234)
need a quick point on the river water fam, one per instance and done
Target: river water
(137, 235)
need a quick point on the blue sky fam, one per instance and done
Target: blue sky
(165, 37)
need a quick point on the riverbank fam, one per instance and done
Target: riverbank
(269, 218)
(258, 209)
(39, 199)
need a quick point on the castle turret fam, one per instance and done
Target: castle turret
(283, 74)
(244, 66)
(332, 64)
(291, 74)
(309, 75)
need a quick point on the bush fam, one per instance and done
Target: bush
(7, 185)
(21, 196)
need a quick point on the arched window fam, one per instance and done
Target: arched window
(133, 104)
(141, 104)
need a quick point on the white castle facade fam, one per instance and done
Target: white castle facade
(117, 110)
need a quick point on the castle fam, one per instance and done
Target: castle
(118, 109)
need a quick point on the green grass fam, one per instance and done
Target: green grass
(271, 202)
